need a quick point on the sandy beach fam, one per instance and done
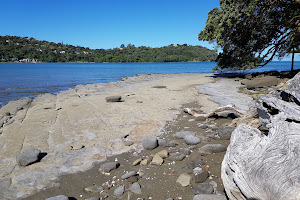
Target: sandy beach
(78, 129)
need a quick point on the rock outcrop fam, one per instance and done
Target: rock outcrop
(263, 162)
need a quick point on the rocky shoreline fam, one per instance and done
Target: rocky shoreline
(78, 129)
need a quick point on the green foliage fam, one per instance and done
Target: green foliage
(252, 32)
(17, 48)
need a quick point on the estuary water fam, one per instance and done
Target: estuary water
(18, 80)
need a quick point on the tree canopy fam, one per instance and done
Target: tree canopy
(251, 33)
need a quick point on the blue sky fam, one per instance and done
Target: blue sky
(108, 23)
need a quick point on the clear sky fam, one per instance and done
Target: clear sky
(108, 23)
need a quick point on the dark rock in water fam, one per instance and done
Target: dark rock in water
(28, 157)
(150, 143)
(201, 177)
(107, 167)
(203, 188)
(182, 134)
(113, 99)
(225, 133)
(191, 140)
(212, 148)
(59, 197)
(129, 174)
(135, 188)
(209, 197)
(171, 144)
(119, 191)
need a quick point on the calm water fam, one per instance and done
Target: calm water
(19, 80)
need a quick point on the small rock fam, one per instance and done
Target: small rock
(77, 146)
(59, 197)
(185, 151)
(225, 133)
(181, 134)
(162, 142)
(93, 198)
(203, 188)
(129, 174)
(203, 126)
(107, 167)
(196, 163)
(132, 179)
(113, 99)
(145, 162)
(28, 157)
(177, 156)
(201, 177)
(212, 148)
(94, 189)
(209, 197)
(157, 160)
(139, 101)
(119, 191)
(184, 179)
(136, 162)
(171, 144)
(159, 86)
(214, 184)
(150, 143)
(191, 140)
(135, 188)
(163, 153)
(128, 143)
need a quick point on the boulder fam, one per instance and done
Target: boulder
(28, 157)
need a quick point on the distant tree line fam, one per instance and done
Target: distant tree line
(24, 49)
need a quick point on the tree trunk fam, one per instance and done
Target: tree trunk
(293, 59)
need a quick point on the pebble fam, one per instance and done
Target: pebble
(171, 144)
(203, 188)
(129, 174)
(201, 177)
(191, 140)
(162, 142)
(139, 101)
(163, 153)
(132, 179)
(59, 197)
(196, 163)
(181, 134)
(203, 126)
(157, 160)
(109, 166)
(209, 197)
(150, 143)
(119, 191)
(28, 157)
(94, 189)
(212, 148)
(135, 188)
(93, 198)
(113, 99)
(136, 162)
(184, 179)
(185, 151)
(145, 162)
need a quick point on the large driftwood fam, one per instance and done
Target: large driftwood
(266, 166)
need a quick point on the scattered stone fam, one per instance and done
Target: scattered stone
(212, 148)
(129, 174)
(94, 189)
(128, 143)
(59, 197)
(185, 151)
(119, 191)
(135, 188)
(157, 160)
(107, 167)
(28, 157)
(163, 153)
(171, 144)
(203, 188)
(184, 179)
(113, 99)
(136, 162)
(145, 162)
(182, 134)
(162, 142)
(209, 197)
(150, 143)
(203, 126)
(191, 140)
(201, 177)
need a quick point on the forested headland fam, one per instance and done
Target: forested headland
(24, 49)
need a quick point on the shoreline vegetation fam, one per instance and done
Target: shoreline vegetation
(30, 50)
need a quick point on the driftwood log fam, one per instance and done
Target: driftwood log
(266, 165)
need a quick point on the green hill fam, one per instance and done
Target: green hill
(24, 49)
